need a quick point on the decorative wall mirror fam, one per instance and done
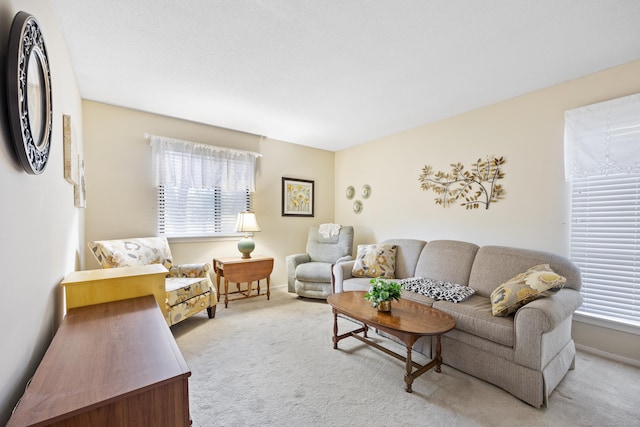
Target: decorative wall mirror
(29, 93)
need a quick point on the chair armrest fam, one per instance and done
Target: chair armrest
(190, 270)
(344, 259)
(339, 273)
(292, 262)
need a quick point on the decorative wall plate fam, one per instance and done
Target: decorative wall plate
(350, 192)
(29, 93)
(357, 206)
(365, 191)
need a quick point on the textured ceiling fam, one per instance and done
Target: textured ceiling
(335, 73)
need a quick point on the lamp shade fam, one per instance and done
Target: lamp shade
(247, 222)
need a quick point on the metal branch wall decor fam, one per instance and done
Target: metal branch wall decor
(476, 186)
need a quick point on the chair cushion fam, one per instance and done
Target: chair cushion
(181, 289)
(329, 249)
(188, 308)
(132, 252)
(536, 282)
(375, 261)
(314, 272)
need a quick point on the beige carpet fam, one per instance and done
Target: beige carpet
(271, 363)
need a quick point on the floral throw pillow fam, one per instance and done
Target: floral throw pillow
(537, 282)
(375, 261)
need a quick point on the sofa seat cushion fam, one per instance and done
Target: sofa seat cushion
(314, 272)
(416, 297)
(181, 289)
(474, 316)
(356, 284)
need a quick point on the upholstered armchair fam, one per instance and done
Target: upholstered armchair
(309, 274)
(185, 294)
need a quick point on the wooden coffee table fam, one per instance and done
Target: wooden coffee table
(407, 320)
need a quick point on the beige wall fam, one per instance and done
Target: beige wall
(121, 198)
(41, 230)
(528, 131)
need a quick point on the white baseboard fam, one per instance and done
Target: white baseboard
(607, 355)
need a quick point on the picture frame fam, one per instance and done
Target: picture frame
(70, 149)
(297, 197)
(80, 190)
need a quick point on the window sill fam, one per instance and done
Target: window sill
(603, 322)
(201, 239)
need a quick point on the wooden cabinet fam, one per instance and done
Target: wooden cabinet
(243, 270)
(112, 364)
(112, 284)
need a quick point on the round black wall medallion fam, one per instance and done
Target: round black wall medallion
(29, 93)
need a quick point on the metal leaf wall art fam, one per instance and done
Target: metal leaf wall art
(475, 187)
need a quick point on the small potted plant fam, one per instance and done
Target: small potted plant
(381, 292)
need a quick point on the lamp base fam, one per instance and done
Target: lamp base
(246, 245)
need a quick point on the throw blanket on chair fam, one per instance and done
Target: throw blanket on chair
(329, 230)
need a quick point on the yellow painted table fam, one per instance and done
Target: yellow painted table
(91, 287)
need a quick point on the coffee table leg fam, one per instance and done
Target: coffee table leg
(438, 350)
(408, 378)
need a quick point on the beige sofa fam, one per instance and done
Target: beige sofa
(526, 353)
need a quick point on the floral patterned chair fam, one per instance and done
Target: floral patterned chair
(186, 295)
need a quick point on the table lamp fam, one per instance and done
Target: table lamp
(246, 224)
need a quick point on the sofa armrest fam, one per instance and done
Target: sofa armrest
(543, 327)
(549, 312)
(339, 273)
(292, 262)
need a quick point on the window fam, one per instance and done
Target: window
(200, 188)
(602, 160)
(605, 244)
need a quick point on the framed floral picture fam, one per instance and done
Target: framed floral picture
(297, 197)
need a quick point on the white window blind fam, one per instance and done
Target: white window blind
(602, 160)
(200, 188)
(605, 244)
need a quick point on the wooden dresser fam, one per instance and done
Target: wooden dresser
(111, 364)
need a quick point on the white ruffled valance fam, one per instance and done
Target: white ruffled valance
(603, 138)
(185, 164)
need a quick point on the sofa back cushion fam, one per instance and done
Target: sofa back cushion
(494, 265)
(407, 254)
(447, 260)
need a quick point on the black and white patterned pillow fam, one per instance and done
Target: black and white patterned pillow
(437, 289)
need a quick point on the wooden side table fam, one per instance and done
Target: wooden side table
(238, 270)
